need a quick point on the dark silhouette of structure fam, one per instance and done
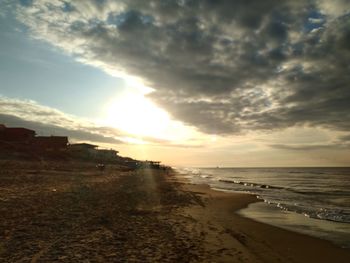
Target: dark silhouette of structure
(51, 143)
(16, 134)
(83, 146)
(91, 151)
(18, 142)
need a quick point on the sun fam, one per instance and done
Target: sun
(135, 114)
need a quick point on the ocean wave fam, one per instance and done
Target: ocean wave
(308, 172)
(307, 209)
(323, 196)
(265, 186)
(336, 215)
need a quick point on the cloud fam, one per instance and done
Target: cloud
(345, 139)
(48, 121)
(45, 128)
(334, 8)
(225, 67)
(314, 147)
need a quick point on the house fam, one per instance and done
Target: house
(55, 143)
(131, 163)
(154, 164)
(150, 164)
(16, 134)
(107, 154)
(83, 146)
(83, 150)
(22, 140)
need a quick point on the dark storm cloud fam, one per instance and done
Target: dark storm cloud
(222, 66)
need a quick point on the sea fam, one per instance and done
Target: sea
(313, 201)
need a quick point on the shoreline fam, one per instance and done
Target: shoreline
(260, 242)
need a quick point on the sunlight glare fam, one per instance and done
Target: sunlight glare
(133, 113)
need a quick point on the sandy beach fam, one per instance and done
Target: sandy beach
(71, 212)
(232, 238)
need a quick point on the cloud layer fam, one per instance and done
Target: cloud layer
(222, 66)
(48, 121)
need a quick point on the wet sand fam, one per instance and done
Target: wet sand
(232, 238)
(70, 212)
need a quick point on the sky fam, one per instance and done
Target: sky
(186, 82)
